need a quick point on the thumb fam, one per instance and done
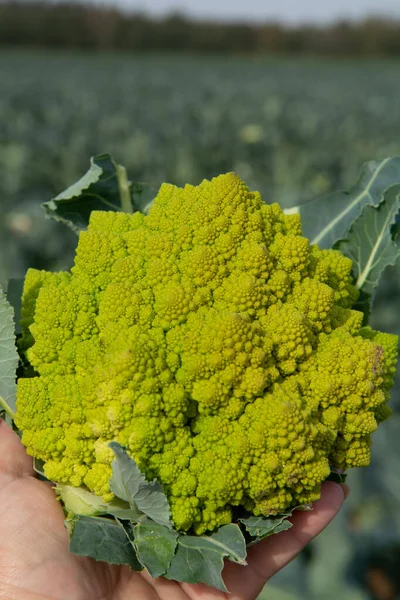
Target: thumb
(14, 462)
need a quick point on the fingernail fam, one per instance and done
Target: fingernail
(346, 489)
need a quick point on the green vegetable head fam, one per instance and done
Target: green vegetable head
(214, 343)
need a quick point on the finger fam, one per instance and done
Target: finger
(14, 462)
(268, 557)
(283, 547)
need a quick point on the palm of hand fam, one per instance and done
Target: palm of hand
(35, 563)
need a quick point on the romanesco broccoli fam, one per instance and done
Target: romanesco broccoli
(213, 342)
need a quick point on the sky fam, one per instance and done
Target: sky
(289, 11)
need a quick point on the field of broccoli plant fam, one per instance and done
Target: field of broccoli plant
(292, 131)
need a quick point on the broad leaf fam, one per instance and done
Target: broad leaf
(142, 195)
(103, 539)
(155, 546)
(262, 527)
(129, 484)
(200, 559)
(326, 220)
(8, 357)
(104, 187)
(396, 228)
(337, 476)
(126, 477)
(370, 243)
(81, 502)
(152, 501)
(38, 467)
(14, 296)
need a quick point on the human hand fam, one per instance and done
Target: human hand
(35, 563)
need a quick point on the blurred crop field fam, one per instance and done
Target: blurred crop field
(293, 130)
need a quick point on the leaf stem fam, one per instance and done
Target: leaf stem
(124, 189)
(6, 407)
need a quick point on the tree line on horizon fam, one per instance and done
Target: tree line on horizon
(71, 25)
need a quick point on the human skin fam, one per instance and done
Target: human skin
(35, 563)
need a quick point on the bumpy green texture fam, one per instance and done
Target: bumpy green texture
(213, 342)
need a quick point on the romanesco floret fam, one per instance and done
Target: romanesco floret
(213, 342)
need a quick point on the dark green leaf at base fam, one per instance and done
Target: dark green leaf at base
(262, 527)
(201, 559)
(155, 547)
(104, 540)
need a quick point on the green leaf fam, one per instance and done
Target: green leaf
(370, 243)
(200, 559)
(396, 229)
(104, 187)
(142, 195)
(262, 527)
(155, 546)
(126, 477)
(337, 477)
(14, 296)
(38, 467)
(129, 484)
(103, 539)
(152, 501)
(79, 501)
(326, 220)
(8, 357)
